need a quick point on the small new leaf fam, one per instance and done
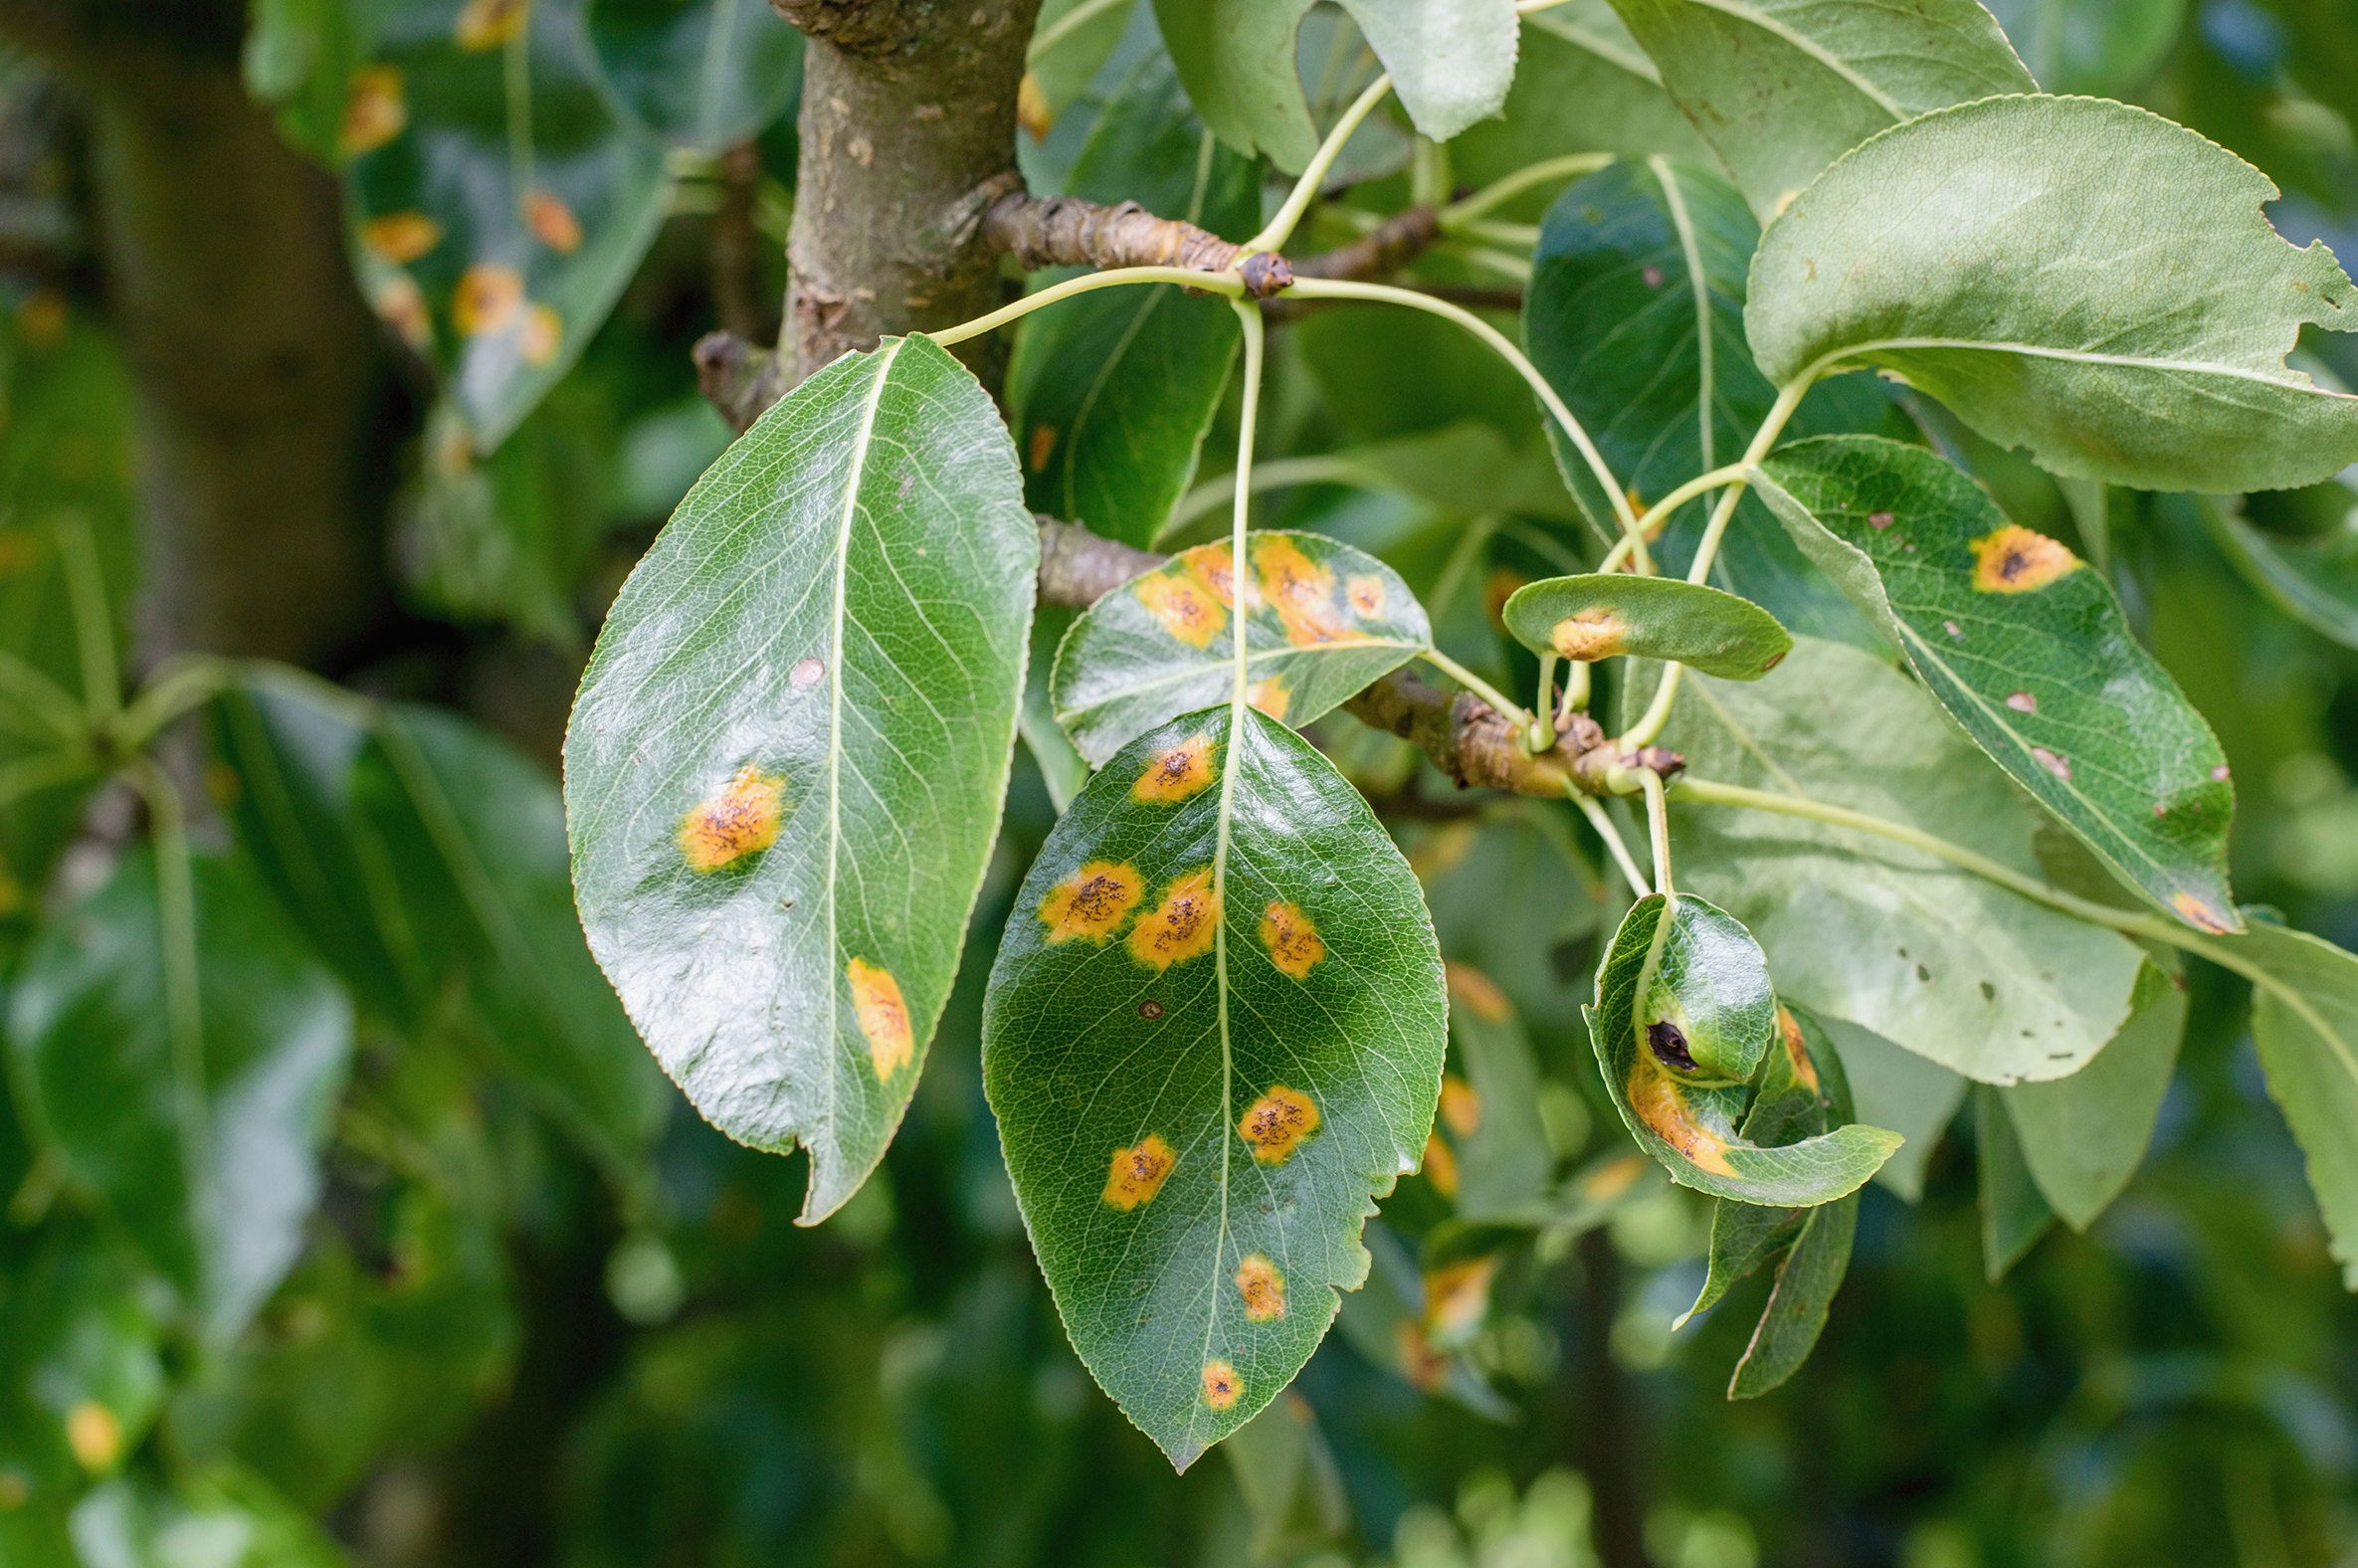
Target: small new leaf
(1601, 615)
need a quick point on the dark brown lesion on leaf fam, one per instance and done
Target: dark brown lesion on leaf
(1669, 1046)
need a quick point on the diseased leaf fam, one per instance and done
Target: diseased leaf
(1602, 615)
(2030, 651)
(2014, 1213)
(1780, 88)
(211, 1165)
(499, 202)
(1683, 1018)
(1213, 1035)
(2000, 256)
(708, 74)
(1451, 61)
(2313, 580)
(786, 763)
(2082, 1136)
(1894, 1087)
(1112, 392)
(1928, 956)
(1386, 1320)
(1321, 622)
(1496, 1146)
(1806, 1280)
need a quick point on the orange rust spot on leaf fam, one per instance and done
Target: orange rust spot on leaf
(1182, 927)
(1461, 1106)
(1663, 1109)
(1476, 992)
(1270, 697)
(1176, 772)
(401, 237)
(1300, 590)
(2016, 560)
(543, 334)
(1589, 635)
(374, 111)
(2199, 913)
(486, 23)
(552, 222)
(1366, 595)
(1420, 1363)
(1263, 1287)
(1183, 603)
(1093, 902)
(95, 1434)
(1040, 445)
(1608, 1182)
(487, 297)
(1458, 1298)
(1293, 942)
(1797, 1051)
(1138, 1172)
(1496, 589)
(401, 304)
(741, 820)
(1277, 1122)
(883, 1017)
(1032, 110)
(1439, 1166)
(1209, 564)
(1221, 1386)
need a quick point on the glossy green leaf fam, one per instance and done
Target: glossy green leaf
(2100, 47)
(2082, 1136)
(1451, 61)
(1807, 1278)
(708, 74)
(1237, 58)
(1933, 958)
(2030, 651)
(1490, 1116)
(1780, 88)
(1894, 1087)
(1581, 85)
(1112, 392)
(499, 203)
(787, 759)
(1679, 1031)
(1213, 1036)
(1602, 615)
(2313, 579)
(1321, 622)
(1962, 252)
(2014, 1213)
(211, 1165)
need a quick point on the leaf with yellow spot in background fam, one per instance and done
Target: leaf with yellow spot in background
(1213, 1035)
(784, 771)
(1599, 615)
(2027, 648)
(1321, 621)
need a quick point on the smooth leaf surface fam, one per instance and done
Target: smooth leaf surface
(1668, 1027)
(2029, 651)
(2004, 257)
(211, 1165)
(784, 771)
(2014, 1211)
(1807, 1278)
(2100, 47)
(1894, 1087)
(1321, 621)
(1497, 1144)
(1953, 967)
(1581, 85)
(1780, 88)
(1451, 61)
(708, 74)
(1237, 58)
(2314, 581)
(1213, 1036)
(1601, 615)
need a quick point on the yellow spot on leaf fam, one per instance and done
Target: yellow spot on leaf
(1476, 992)
(1091, 903)
(1797, 1051)
(1183, 603)
(1221, 1386)
(1277, 1122)
(401, 237)
(1300, 590)
(883, 1017)
(1182, 927)
(1138, 1172)
(1458, 1298)
(1263, 1287)
(1293, 942)
(374, 111)
(1032, 110)
(1595, 633)
(1176, 772)
(2199, 913)
(544, 332)
(1270, 696)
(1661, 1106)
(1366, 595)
(95, 1434)
(741, 820)
(402, 306)
(1040, 445)
(1609, 1181)
(487, 297)
(1441, 1166)
(1210, 564)
(1420, 1363)
(486, 23)
(2016, 560)
(1461, 1106)
(552, 222)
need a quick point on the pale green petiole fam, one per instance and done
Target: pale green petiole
(1477, 685)
(1458, 214)
(1621, 859)
(1228, 284)
(1280, 229)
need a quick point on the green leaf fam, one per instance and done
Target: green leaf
(2314, 581)
(1512, 895)
(1780, 88)
(1931, 957)
(82, 1374)
(1287, 1476)
(1237, 58)
(2030, 651)
(215, 1183)
(1913, 1095)
(1321, 622)
(1581, 85)
(790, 747)
(2082, 1136)
(298, 59)
(1451, 61)
(1214, 1032)
(227, 1516)
(1806, 1280)
(1963, 251)
(1679, 1025)
(1112, 392)
(1601, 615)
(499, 202)
(1386, 1322)
(1384, 372)
(1499, 1145)
(709, 73)
(2100, 47)
(2014, 1213)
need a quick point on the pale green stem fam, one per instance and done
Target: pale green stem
(1521, 235)
(1280, 229)
(1527, 7)
(1064, 27)
(1733, 474)
(1596, 819)
(1576, 686)
(1429, 175)
(1247, 318)
(184, 1019)
(1544, 734)
(1658, 713)
(1211, 283)
(1499, 262)
(1658, 828)
(1500, 191)
(42, 698)
(1214, 494)
(179, 686)
(1474, 683)
(94, 627)
(30, 775)
(1336, 288)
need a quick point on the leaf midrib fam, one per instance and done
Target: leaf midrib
(2291, 380)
